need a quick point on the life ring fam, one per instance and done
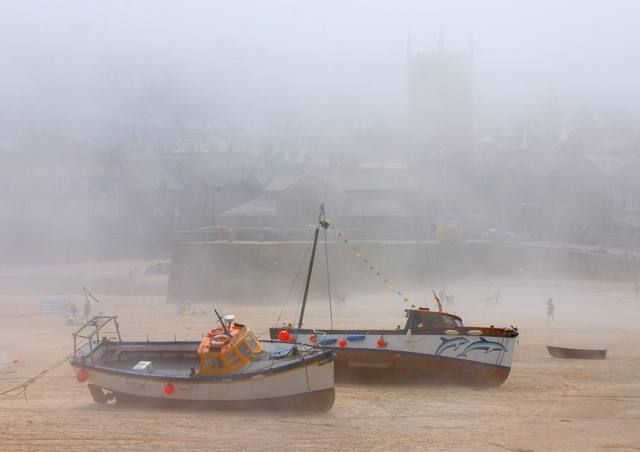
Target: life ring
(220, 340)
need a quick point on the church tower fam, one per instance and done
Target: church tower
(440, 101)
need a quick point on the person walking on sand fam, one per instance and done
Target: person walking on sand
(550, 309)
(87, 311)
(342, 298)
(74, 312)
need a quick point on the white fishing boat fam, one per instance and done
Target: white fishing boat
(228, 368)
(434, 347)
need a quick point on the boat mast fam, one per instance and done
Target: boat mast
(325, 225)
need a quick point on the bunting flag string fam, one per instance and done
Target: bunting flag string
(371, 267)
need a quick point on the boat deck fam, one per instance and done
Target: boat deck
(179, 362)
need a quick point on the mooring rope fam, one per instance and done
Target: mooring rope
(23, 386)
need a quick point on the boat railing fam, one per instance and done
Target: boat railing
(94, 332)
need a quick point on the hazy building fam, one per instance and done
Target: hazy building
(440, 101)
(552, 114)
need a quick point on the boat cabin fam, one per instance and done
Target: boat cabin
(226, 349)
(425, 318)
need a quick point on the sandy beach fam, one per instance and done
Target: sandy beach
(545, 405)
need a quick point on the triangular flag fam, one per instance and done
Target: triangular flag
(399, 293)
(339, 234)
(346, 241)
(370, 268)
(378, 274)
(352, 248)
(333, 227)
(391, 287)
(413, 305)
(406, 299)
(358, 255)
(386, 280)
(365, 260)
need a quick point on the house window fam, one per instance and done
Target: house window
(23, 205)
(21, 185)
(633, 202)
(621, 178)
(58, 205)
(58, 186)
(634, 177)
(617, 200)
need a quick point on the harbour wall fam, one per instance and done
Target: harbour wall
(267, 272)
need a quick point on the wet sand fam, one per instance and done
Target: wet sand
(545, 405)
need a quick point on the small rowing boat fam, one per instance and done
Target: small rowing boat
(576, 353)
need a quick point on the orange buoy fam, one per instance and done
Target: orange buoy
(381, 342)
(82, 375)
(313, 338)
(15, 361)
(342, 343)
(168, 389)
(283, 336)
(292, 339)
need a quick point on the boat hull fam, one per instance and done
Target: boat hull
(372, 366)
(318, 401)
(422, 358)
(576, 353)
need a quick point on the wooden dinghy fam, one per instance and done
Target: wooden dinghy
(576, 353)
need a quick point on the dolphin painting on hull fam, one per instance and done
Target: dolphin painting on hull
(454, 343)
(483, 344)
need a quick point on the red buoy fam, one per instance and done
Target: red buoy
(168, 389)
(342, 343)
(283, 336)
(292, 339)
(15, 361)
(381, 342)
(313, 338)
(82, 375)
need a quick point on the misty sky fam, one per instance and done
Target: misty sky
(318, 62)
